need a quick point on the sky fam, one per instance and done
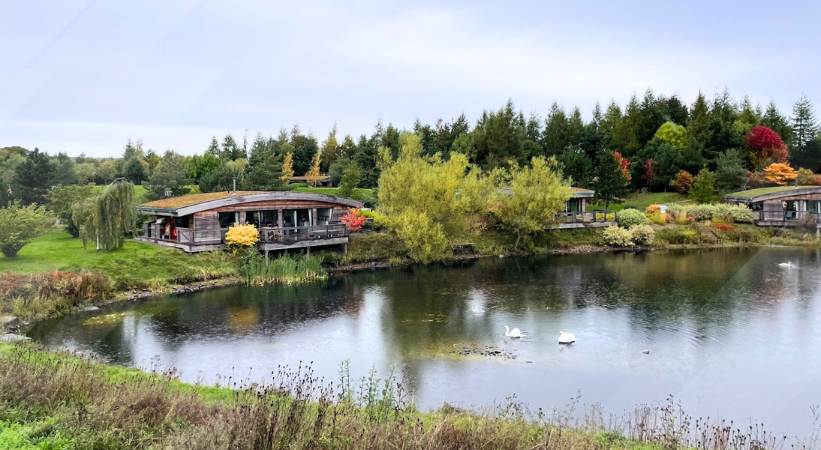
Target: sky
(86, 76)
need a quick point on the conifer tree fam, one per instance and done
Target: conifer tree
(610, 181)
(32, 178)
(804, 127)
(776, 121)
(214, 147)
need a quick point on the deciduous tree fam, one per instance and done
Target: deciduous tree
(765, 146)
(19, 225)
(535, 194)
(780, 173)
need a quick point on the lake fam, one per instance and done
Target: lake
(728, 333)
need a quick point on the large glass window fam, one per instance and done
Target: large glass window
(227, 219)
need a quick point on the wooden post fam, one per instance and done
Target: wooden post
(313, 217)
(280, 222)
(266, 257)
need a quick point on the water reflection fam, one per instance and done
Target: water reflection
(727, 331)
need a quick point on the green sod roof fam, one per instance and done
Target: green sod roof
(753, 193)
(193, 199)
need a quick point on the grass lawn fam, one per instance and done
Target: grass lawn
(140, 193)
(55, 400)
(641, 200)
(134, 265)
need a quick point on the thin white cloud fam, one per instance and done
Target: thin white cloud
(174, 73)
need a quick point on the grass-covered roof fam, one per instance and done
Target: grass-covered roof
(751, 194)
(193, 199)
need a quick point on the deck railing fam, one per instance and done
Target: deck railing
(790, 217)
(289, 235)
(586, 217)
(284, 235)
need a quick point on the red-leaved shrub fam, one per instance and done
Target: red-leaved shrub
(354, 220)
(766, 146)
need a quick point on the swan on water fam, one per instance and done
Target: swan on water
(566, 338)
(514, 333)
(787, 265)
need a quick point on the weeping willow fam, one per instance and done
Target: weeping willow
(106, 219)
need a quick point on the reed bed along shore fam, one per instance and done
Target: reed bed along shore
(56, 400)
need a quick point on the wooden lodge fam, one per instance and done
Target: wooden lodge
(576, 214)
(782, 206)
(286, 220)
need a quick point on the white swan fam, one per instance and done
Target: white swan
(786, 265)
(566, 338)
(514, 333)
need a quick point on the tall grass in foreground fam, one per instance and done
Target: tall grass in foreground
(50, 293)
(284, 269)
(86, 405)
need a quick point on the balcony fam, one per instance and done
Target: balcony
(587, 219)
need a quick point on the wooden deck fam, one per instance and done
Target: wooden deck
(590, 219)
(270, 238)
(788, 219)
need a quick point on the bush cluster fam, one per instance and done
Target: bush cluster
(615, 236)
(629, 217)
(722, 212)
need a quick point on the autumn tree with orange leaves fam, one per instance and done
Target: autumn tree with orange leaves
(780, 173)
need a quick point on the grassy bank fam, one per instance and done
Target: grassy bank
(56, 401)
(385, 248)
(54, 273)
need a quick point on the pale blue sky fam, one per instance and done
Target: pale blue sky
(80, 76)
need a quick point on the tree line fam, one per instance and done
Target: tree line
(653, 142)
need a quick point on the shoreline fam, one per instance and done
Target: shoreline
(10, 324)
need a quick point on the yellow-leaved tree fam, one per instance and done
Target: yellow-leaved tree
(313, 173)
(287, 167)
(780, 173)
(532, 198)
(429, 201)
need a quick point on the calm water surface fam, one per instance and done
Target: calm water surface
(729, 333)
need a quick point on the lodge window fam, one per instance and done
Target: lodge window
(323, 216)
(227, 219)
(182, 222)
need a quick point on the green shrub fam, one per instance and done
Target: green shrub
(722, 212)
(629, 217)
(678, 214)
(378, 221)
(364, 247)
(642, 234)
(618, 237)
(702, 212)
(678, 235)
(657, 218)
(742, 214)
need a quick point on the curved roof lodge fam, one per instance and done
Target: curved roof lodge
(286, 220)
(782, 205)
